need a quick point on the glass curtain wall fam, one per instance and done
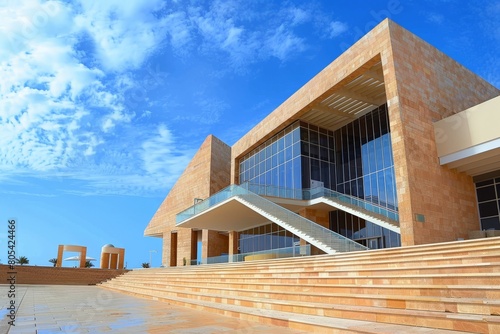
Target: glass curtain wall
(318, 156)
(355, 159)
(276, 163)
(365, 169)
(488, 198)
(266, 237)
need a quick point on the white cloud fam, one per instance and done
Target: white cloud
(159, 156)
(337, 28)
(435, 18)
(283, 42)
(75, 89)
(299, 15)
(56, 107)
(123, 32)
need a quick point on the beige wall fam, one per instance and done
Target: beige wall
(423, 86)
(471, 127)
(207, 173)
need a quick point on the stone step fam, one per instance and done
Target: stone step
(431, 319)
(298, 264)
(416, 279)
(489, 292)
(407, 301)
(338, 270)
(450, 286)
(359, 260)
(308, 323)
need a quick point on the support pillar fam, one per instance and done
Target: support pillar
(233, 244)
(60, 252)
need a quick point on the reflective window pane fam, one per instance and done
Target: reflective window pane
(488, 209)
(486, 193)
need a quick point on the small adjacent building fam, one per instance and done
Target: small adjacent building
(392, 144)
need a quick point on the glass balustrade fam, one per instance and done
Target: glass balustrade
(321, 237)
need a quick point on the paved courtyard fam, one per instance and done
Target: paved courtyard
(91, 309)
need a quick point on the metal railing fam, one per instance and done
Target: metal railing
(321, 237)
(206, 204)
(312, 193)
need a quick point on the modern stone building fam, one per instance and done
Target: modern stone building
(392, 144)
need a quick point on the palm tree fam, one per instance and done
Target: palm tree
(145, 265)
(22, 260)
(88, 264)
(54, 261)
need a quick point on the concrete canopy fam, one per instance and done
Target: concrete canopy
(229, 215)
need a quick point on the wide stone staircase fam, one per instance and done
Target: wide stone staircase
(439, 288)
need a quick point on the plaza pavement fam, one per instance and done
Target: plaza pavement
(44, 309)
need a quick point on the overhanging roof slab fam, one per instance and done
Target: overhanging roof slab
(230, 215)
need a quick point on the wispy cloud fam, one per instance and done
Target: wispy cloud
(337, 28)
(77, 97)
(435, 18)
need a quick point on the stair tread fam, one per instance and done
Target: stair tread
(329, 295)
(438, 275)
(327, 322)
(336, 294)
(398, 286)
(340, 269)
(343, 307)
(442, 287)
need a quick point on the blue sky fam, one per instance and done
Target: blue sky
(103, 103)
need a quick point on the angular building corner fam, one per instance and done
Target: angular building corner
(369, 152)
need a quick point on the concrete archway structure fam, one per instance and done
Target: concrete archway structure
(112, 257)
(72, 248)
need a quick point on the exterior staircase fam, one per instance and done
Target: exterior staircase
(362, 208)
(328, 241)
(438, 288)
(317, 235)
(360, 212)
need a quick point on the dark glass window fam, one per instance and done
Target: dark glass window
(305, 148)
(488, 209)
(486, 193)
(331, 141)
(325, 174)
(490, 223)
(314, 151)
(323, 140)
(315, 170)
(333, 185)
(323, 153)
(484, 183)
(313, 137)
(304, 134)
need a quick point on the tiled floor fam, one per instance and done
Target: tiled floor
(90, 309)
